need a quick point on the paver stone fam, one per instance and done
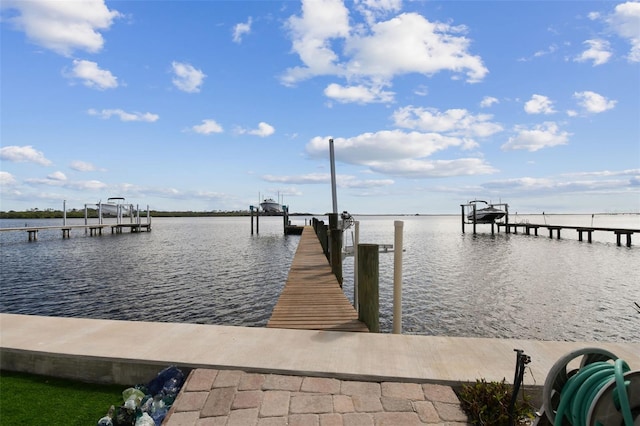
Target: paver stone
(218, 403)
(275, 403)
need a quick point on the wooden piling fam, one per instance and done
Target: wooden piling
(285, 219)
(335, 250)
(368, 286)
(251, 214)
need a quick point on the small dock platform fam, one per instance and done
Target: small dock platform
(312, 298)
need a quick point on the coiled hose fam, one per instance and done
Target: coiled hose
(579, 392)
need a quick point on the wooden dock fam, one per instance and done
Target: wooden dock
(93, 229)
(312, 298)
(527, 227)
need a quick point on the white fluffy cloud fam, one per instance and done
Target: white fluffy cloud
(342, 180)
(82, 166)
(263, 130)
(599, 52)
(539, 104)
(541, 136)
(92, 76)
(23, 154)
(7, 179)
(373, 54)
(358, 94)
(458, 122)
(59, 176)
(488, 101)
(187, 78)
(241, 29)
(388, 145)
(124, 116)
(625, 21)
(409, 43)
(63, 26)
(593, 102)
(421, 168)
(207, 127)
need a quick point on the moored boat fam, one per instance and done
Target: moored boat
(488, 214)
(114, 207)
(269, 205)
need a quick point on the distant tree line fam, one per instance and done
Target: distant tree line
(75, 213)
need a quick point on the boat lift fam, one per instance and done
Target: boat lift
(469, 209)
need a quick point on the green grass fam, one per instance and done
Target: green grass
(27, 399)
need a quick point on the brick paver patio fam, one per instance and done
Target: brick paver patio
(232, 397)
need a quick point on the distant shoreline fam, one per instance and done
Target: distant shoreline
(92, 213)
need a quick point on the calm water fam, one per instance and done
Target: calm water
(213, 271)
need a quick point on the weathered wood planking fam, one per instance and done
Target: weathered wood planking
(312, 298)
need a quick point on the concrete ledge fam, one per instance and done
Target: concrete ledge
(126, 352)
(85, 369)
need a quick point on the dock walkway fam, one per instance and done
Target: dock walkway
(312, 298)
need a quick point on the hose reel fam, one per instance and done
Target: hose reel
(600, 392)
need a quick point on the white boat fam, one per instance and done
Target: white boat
(269, 205)
(488, 214)
(114, 207)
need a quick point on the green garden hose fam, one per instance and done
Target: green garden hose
(579, 392)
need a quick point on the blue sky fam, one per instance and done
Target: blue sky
(209, 105)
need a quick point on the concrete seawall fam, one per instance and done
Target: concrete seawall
(126, 352)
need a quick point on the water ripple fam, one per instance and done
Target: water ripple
(213, 271)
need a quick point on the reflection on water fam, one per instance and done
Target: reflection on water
(213, 271)
(505, 285)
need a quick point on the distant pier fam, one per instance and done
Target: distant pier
(468, 211)
(582, 230)
(135, 225)
(93, 229)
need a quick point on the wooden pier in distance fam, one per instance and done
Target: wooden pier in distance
(93, 229)
(527, 227)
(312, 298)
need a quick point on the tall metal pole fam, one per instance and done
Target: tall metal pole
(333, 177)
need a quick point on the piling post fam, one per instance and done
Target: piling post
(323, 237)
(251, 214)
(86, 219)
(356, 241)
(474, 219)
(64, 213)
(462, 216)
(368, 286)
(285, 218)
(335, 246)
(397, 277)
(257, 220)
(333, 220)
